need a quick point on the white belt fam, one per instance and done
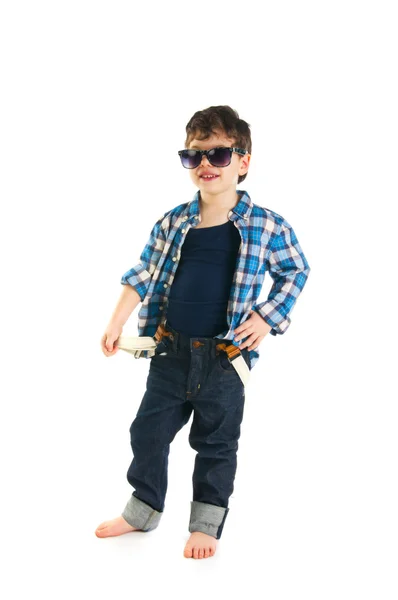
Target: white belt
(135, 345)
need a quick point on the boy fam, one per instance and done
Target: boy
(199, 277)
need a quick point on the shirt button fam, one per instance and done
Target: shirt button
(183, 230)
(185, 218)
(174, 258)
(165, 285)
(160, 307)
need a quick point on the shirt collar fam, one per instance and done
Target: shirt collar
(242, 209)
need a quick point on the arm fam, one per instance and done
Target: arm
(289, 270)
(128, 301)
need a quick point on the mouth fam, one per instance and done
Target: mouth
(208, 178)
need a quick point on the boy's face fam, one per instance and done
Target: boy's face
(227, 176)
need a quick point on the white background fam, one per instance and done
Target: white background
(94, 99)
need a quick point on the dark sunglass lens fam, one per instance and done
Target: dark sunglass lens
(190, 159)
(220, 157)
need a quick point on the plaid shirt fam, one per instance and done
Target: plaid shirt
(268, 244)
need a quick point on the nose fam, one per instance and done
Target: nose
(204, 157)
(207, 163)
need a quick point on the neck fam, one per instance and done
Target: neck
(215, 203)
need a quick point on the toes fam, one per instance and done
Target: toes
(188, 552)
(198, 552)
(100, 532)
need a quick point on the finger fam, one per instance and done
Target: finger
(248, 333)
(257, 342)
(243, 330)
(252, 341)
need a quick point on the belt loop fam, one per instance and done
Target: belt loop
(174, 336)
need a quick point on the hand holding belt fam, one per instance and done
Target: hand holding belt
(135, 345)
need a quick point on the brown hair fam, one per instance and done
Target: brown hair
(214, 119)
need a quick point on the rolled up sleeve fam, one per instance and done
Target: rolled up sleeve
(139, 276)
(289, 269)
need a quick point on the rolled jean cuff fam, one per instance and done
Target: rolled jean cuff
(140, 515)
(207, 518)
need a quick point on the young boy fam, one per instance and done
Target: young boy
(198, 279)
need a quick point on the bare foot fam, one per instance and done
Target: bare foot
(116, 526)
(200, 545)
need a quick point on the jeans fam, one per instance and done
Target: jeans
(187, 374)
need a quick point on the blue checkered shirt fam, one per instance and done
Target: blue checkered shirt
(268, 244)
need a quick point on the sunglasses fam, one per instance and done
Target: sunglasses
(218, 157)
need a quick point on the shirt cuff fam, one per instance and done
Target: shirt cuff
(138, 278)
(269, 313)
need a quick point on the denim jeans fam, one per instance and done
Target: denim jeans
(187, 374)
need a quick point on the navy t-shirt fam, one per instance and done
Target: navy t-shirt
(199, 294)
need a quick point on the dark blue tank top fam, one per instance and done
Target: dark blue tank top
(199, 294)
